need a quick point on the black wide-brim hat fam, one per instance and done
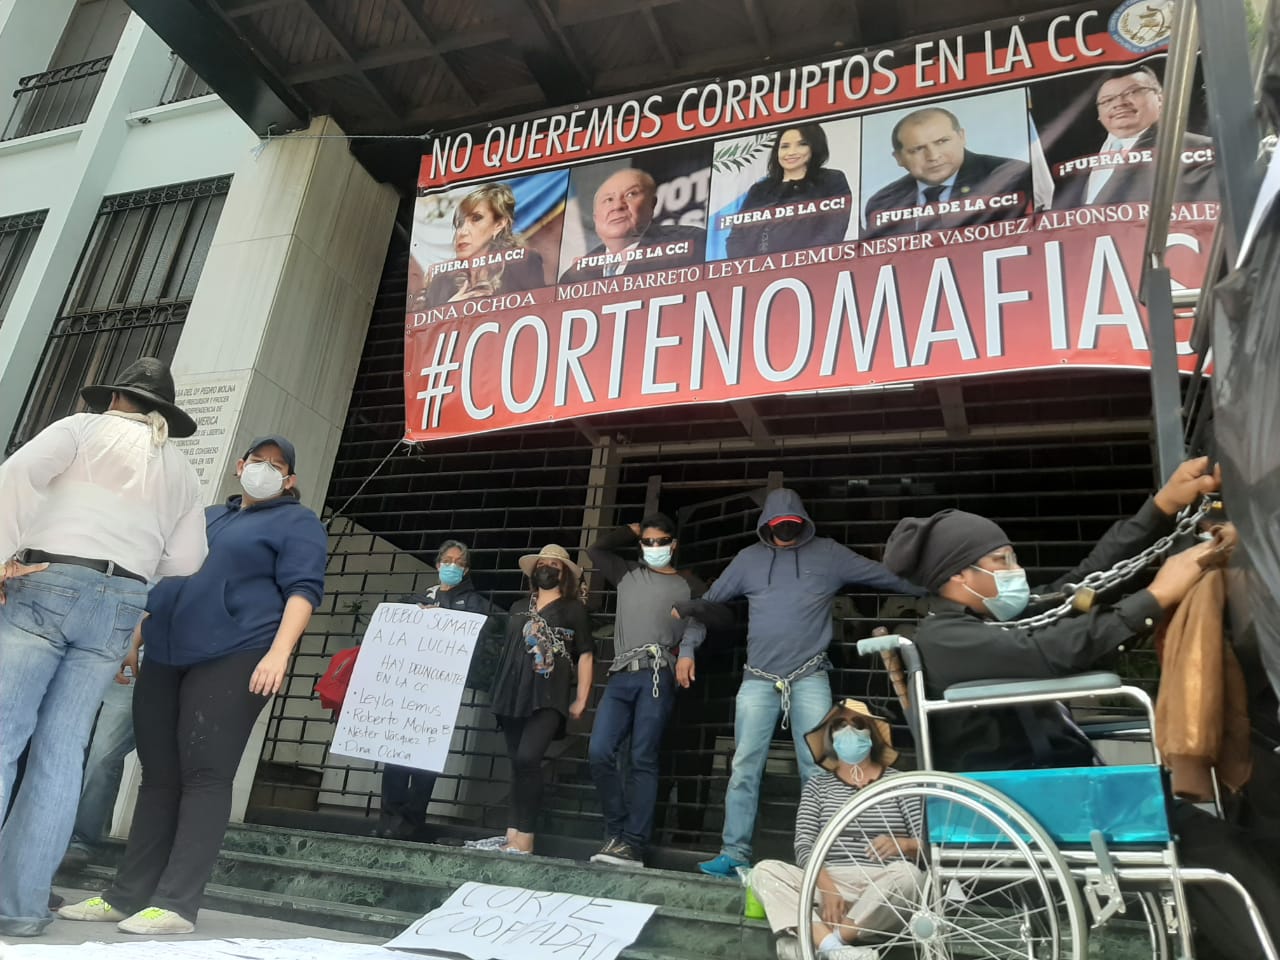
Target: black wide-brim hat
(150, 381)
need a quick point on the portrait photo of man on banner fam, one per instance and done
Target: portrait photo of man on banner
(787, 189)
(486, 239)
(966, 162)
(1116, 163)
(636, 214)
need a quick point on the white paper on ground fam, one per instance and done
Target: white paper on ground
(487, 922)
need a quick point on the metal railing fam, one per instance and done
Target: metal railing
(17, 236)
(55, 99)
(129, 296)
(183, 83)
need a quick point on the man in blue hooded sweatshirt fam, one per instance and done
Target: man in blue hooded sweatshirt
(790, 579)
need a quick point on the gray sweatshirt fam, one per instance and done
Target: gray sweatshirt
(645, 598)
(789, 591)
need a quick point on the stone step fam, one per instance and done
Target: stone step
(383, 900)
(690, 891)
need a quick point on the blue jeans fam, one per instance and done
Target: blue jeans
(63, 634)
(112, 742)
(629, 707)
(756, 713)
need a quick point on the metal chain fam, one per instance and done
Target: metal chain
(655, 656)
(1101, 580)
(783, 684)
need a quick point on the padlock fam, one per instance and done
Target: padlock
(1082, 599)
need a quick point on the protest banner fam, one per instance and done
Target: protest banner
(488, 922)
(406, 688)
(969, 203)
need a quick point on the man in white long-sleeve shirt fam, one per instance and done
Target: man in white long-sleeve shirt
(91, 509)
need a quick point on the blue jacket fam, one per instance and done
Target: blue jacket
(789, 591)
(259, 557)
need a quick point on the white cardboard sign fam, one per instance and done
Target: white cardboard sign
(487, 922)
(406, 688)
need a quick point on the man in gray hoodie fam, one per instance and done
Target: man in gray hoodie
(790, 579)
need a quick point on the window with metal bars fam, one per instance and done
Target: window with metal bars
(129, 296)
(17, 237)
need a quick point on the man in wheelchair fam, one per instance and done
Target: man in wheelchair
(968, 565)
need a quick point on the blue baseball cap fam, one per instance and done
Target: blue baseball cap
(290, 455)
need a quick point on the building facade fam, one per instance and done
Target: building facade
(140, 216)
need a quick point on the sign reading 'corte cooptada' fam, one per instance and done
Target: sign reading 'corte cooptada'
(402, 702)
(970, 203)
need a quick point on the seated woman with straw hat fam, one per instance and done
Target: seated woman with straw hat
(871, 878)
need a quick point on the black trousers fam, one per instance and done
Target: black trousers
(191, 724)
(527, 741)
(406, 793)
(1223, 927)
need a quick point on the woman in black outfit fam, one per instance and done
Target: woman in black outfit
(548, 635)
(796, 175)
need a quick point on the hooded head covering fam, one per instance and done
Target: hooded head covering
(929, 550)
(784, 502)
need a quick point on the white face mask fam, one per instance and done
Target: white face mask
(261, 480)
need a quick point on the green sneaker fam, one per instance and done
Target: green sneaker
(156, 920)
(93, 909)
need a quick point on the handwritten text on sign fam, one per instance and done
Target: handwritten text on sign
(406, 687)
(484, 921)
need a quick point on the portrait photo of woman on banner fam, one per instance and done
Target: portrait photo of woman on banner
(951, 164)
(486, 240)
(785, 190)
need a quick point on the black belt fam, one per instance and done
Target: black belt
(636, 665)
(102, 566)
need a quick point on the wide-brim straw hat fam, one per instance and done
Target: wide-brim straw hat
(148, 380)
(819, 738)
(552, 551)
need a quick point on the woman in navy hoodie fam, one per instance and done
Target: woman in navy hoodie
(218, 643)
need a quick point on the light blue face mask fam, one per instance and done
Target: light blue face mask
(1013, 593)
(451, 574)
(656, 557)
(851, 744)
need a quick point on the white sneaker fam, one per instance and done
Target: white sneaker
(788, 948)
(93, 909)
(154, 920)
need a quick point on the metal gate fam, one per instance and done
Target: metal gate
(1056, 459)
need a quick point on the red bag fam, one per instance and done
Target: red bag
(332, 687)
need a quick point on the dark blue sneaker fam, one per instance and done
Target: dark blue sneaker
(723, 866)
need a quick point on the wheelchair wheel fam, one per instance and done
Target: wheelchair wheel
(989, 883)
(1148, 909)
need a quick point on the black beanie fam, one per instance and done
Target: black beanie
(929, 550)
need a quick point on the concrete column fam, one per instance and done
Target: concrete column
(135, 79)
(280, 316)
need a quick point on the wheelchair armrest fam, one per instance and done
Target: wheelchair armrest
(892, 641)
(1136, 728)
(870, 645)
(978, 690)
